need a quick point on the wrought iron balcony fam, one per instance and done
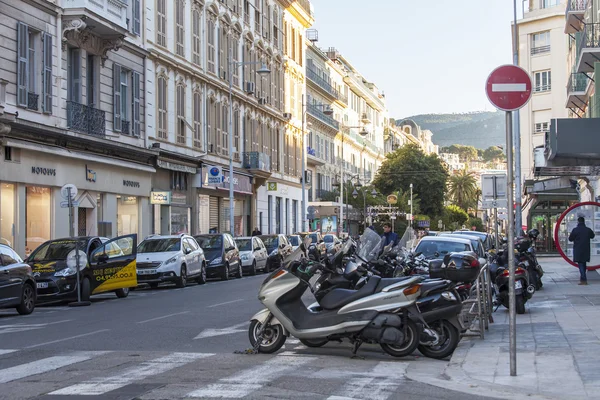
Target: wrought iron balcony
(574, 15)
(312, 75)
(258, 162)
(33, 101)
(320, 115)
(588, 46)
(326, 195)
(125, 127)
(85, 119)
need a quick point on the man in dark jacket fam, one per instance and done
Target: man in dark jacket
(256, 232)
(389, 236)
(581, 236)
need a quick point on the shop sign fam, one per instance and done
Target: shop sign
(272, 186)
(43, 171)
(163, 198)
(90, 174)
(215, 175)
(128, 200)
(241, 183)
(175, 167)
(132, 184)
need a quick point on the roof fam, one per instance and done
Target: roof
(445, 239)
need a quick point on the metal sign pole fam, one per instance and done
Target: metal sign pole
(512, 323)
(496, 228)
(72, 234)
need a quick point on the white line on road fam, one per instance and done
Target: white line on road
(99, 386)
(28, 327)
(220, 332)
(68, 338)
(45, 365)
(378, 384)
(7, 351)
(227, 302)
(163, 317)
(251, 379)
(509, 87)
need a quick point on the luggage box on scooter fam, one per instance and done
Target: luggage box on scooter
(457, 267)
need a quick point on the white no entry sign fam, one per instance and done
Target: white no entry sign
(508, 87)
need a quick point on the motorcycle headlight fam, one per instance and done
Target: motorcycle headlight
(449, 296)
(217, 260)
(170, 260)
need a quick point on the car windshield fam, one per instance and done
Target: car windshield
(481, 235)
(314, 238)
(328, 239)
(431, 248)
(271, 242)
(57, 250)
(159, 245)
(294, 240)
(212, 242)
(244, 244)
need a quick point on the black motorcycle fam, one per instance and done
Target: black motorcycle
(499, 272)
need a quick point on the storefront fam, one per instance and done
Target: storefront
(112, 195)
(279, 208)
(213, 203)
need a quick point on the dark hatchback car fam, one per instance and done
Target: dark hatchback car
(17, 285)
(222, 256)
(104, 267)
(278, 247)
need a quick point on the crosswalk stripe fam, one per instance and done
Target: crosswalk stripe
(251, 379)
(378, 384)
(45, 365)
(157, 366)
(7, 351)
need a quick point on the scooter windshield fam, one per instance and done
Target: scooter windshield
(370, 245)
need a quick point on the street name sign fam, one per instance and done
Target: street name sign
(509, 87)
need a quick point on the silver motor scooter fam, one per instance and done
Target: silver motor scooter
(374, 314)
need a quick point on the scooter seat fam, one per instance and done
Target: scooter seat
(385, 282)
(428, 287)
(338, 298)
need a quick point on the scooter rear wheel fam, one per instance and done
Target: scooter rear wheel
(408, 346)
(314, 342)
(449, 337)
(273, 337)
(520, 305)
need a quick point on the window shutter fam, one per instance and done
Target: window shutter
(75, 68)
(47, 74)
(136, 103)
(23, 61)
(117, 97)
(137, 11)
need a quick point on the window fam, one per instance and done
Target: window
(162, 107)
(542, 81)
(37, 228)
(549, 3)
(30, 45)
(196, 32)
(179, 180)
(541, 127)
(126, 101)
(127, 215)
(136, 14)
(179, 29)
(236, 134)
(223, 52)
(235, 51)
(210, 40)
(180, 109)
(161, 23)
(8, 212)
(540, 42)
(74, 75)
(197, 105)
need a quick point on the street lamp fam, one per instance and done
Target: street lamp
(363, 132)
(263, 70)
(411, 208)
(327, 110)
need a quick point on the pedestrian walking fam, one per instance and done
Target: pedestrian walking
(256, 232)
(581, 236)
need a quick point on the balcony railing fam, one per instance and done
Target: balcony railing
(326, 86)
(85, 119)
(125, 127)
(33, 101)
(591, 37)
(257, 161)
(540, 50)
(317, 113)
(326, 195)
(577, 82)
(576, 5)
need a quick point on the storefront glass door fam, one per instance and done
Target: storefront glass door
(7, 214)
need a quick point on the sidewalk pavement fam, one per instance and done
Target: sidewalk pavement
(558, 345)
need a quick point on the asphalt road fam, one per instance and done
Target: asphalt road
(172, 343)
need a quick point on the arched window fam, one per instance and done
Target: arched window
(162, 107)
(179, 27)
(196, 36)
(210, 40)
(180, 110)
(197, 106)
(161, 22)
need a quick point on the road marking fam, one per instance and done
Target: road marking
(163, 317)
(2, 352)
(45, 365)
(292, 341)
(67, 338)
(378, 384)
(509, 87)
(99, 386)
(227, 302)
(220, 332)
(251, 379)
(27, 327)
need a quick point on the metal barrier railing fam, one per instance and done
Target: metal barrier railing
(477, 310)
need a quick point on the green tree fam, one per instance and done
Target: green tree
(454, 217)
(462, 189)
(465, 153)
(477, 223)
(410, 165)
(493, 153)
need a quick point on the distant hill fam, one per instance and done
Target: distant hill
(478, 129)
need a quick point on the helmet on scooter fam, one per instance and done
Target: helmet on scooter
(533, 233)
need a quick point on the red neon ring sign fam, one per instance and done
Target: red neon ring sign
(557, 227)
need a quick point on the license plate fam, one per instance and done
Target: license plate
(42, 285)
(146, 272)
(518, 285)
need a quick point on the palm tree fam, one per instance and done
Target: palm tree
(462, 189)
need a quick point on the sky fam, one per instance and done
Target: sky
(428, 56)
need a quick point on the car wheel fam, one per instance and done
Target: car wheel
(27, 300)
(122, 293)
(202, 278)
(182, 281)
(253, 268)
(225, 274)
(240, 271)
(86, 290)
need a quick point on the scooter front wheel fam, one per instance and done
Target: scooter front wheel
(411, 341)
(273, 338)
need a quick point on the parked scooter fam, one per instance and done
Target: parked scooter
(374, 314)
(500, 274)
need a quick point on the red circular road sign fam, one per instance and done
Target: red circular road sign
(508, 87)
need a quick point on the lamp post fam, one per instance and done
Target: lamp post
(327, 110)
(363, 132)
(355, 195)
(411, 210)
(264, 70)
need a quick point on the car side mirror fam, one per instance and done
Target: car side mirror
(188, 251)
(257, 249)
(102, 258)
